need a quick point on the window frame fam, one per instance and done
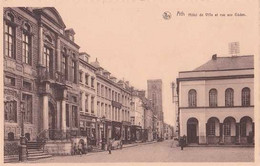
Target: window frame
(245, 97)
(229, 97)
(213, 98)
(192, 98)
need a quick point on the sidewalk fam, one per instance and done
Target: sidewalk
(95, 150)
(215, 145)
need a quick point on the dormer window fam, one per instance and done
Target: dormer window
(71, 38)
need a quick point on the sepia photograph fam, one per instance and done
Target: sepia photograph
(129, 81)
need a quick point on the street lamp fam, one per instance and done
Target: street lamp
(103, 132)
(22, 147)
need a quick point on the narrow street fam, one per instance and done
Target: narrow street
(161, 152)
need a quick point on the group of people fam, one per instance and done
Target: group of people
(80, 149)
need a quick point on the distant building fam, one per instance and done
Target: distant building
(216, 101)
(113, 106)
(137, 116)
(155, 96)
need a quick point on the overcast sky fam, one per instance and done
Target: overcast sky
(133, 41)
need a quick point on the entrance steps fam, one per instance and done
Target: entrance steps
(11, 159)
(35, 152)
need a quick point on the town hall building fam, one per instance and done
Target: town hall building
(216, 101)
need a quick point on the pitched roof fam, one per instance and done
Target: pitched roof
(228, 63)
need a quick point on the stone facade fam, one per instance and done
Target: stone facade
(41, 62)
(217, 105)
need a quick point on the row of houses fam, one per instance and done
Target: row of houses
(53, 92)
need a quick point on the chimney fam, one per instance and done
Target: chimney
(214, 57)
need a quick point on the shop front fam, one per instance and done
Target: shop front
(116, 130)
(88, 129)
(136, 133)
(126, 132)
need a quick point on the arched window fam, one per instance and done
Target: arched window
(192, 98)
(213, 96)
(245, 97)
(229, 97)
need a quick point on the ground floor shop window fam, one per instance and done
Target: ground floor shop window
(117, 133)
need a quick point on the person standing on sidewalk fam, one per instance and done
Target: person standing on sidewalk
(109, 146)
(181, 142)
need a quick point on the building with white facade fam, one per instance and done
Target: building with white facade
(216, 101)
(88, 111)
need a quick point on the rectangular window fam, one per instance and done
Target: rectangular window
(74, 116)
(106, 92)
(109, 94)
(26, 39)
(98, 109)
(27, 85)
(67, 116)
(9, 41)
(112, 95)
(9, 81)
(74, 75)
(86, 79)
(92, 82)
(98, 89)
(64, 68)
(28, 107)
(46, 57)
(92, 104)
(74, 99)
(86, 104)
(80, 76)
(102, 90)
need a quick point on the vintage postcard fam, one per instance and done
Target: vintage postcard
(130, 81)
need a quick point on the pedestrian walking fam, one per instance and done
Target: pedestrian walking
(85, 150)
(109, 146)
(80, 148)
(181, 142)
(74, 152)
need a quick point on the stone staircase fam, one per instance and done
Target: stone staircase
(11, 159)
(35, 152)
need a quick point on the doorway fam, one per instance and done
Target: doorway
(192, 126)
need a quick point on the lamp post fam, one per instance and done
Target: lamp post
(103, 132)
(22, 146)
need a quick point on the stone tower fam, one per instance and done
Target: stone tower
(155, 95)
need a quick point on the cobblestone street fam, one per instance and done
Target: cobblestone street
(162, 152)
